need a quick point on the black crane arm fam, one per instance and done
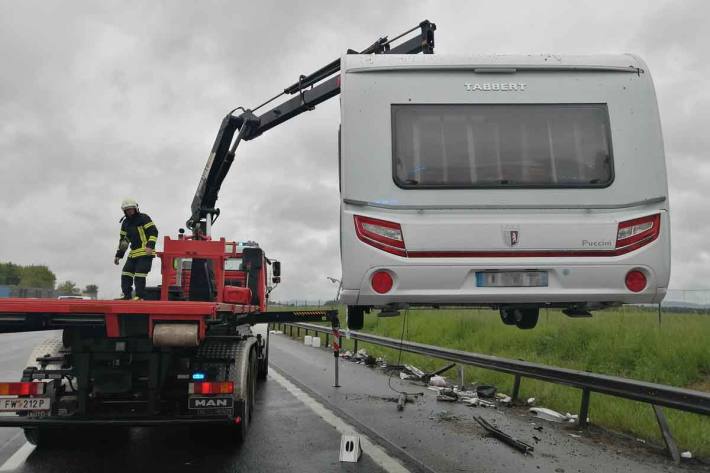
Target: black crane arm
(311, 90)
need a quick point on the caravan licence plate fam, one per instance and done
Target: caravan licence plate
(25, 404)
(511, 279)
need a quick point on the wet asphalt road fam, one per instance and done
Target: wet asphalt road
(290, 436)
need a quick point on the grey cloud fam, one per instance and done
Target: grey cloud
(103, 100)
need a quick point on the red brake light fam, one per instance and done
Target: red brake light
(386, 236)
(211, 387)
(633, 234)
(382, 282)
(21, 389)
(635, 281)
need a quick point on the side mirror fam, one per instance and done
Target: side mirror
(276, 268)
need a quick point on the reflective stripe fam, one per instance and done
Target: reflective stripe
(141, 233)
(123, 233)
(137, 252)
(153, 238)
(141, 275)
(126, 273)
(148, 225)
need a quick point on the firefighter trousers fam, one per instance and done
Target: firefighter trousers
(135, 269)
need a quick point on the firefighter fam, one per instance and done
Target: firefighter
(140, 233)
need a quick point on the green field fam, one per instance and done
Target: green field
(627, 342)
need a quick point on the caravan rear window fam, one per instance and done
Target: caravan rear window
(501, 145)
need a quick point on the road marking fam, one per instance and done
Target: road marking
(18, 458)
(378, 455)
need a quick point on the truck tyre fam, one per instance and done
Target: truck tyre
(246, 407)
(42, 437)
(528, 318)
(264, 361)
(355, 317)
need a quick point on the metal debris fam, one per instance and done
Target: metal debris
(500, 435)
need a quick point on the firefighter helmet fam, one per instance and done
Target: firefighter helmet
(129, 204)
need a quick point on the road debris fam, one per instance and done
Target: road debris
(553, 416)
(486, 390)
(447, 395)
(502, 436)
(531, 401)
(437, 380)
(504, 399)
(401, 401)
(687, 455)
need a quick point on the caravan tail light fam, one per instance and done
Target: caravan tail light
(633, 234)
(211, 387)
(21, 389)
(382, 282)
(635, 281)
(382, 234)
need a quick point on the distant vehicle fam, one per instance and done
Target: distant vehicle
(515, 182)
(79, 298)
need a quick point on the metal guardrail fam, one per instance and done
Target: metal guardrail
(655, 394)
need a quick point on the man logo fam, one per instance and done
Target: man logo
(511, 236)
(210, 402)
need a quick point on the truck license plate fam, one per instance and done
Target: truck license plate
(25, 404)
(511, 279)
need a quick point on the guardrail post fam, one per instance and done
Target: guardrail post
(516, 388)
(462, 378)
(327, 338)
(298, 332)
(666, 432)
(355, 346)
(584, 409)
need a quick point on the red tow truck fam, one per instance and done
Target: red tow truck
(187, 353)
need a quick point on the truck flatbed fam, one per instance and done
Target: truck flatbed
(24, 315)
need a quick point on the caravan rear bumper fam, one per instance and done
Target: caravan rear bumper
(456, 284)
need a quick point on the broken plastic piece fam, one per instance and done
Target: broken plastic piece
(438, 381)
(548, 414)
(447, 395)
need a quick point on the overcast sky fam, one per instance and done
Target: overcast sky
(102, 100)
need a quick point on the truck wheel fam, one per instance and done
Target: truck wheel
(528, 318)
(42, 437)
(264, 365)
(355, 317)
(246, 407)
(264, 361)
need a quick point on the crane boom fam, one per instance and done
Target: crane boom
(309, 91)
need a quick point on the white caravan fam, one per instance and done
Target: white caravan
(515, 182)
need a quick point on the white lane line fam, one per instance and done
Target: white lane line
(18, 458)
(378, 455)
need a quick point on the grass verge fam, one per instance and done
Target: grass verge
(627, 342)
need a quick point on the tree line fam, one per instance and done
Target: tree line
(40, 276)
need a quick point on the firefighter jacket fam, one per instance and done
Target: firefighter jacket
(140, 231)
